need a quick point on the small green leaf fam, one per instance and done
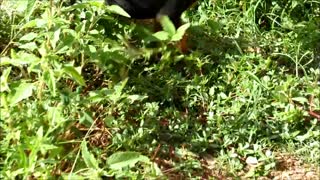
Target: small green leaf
(21, 6)
(88, 158)
(167, 25)
(18, 59)
(136, 97)
(120, 160)
(92, 49)
(5, 61)
(301, 100)
(56, 38)
(29, 46)
(21, 92)
(94, 32)
(30, 8)
(39, 23)
(73, 73)
(4, 80)
(117, 94)
(161, 36)
(50, 80)
(117, 10)
(66, 41)
(40, 132)
(252, 160)
(55, 115)
(250, 74)
(180, 32)
(212, 91)
(86, 119)
(29, 36)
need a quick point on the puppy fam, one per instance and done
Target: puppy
(155, 9)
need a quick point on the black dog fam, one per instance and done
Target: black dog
(154, 9)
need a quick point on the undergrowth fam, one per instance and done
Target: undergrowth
(88, 93)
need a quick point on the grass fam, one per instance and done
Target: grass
(89, 94)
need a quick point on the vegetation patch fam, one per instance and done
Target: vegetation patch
(87, 93)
